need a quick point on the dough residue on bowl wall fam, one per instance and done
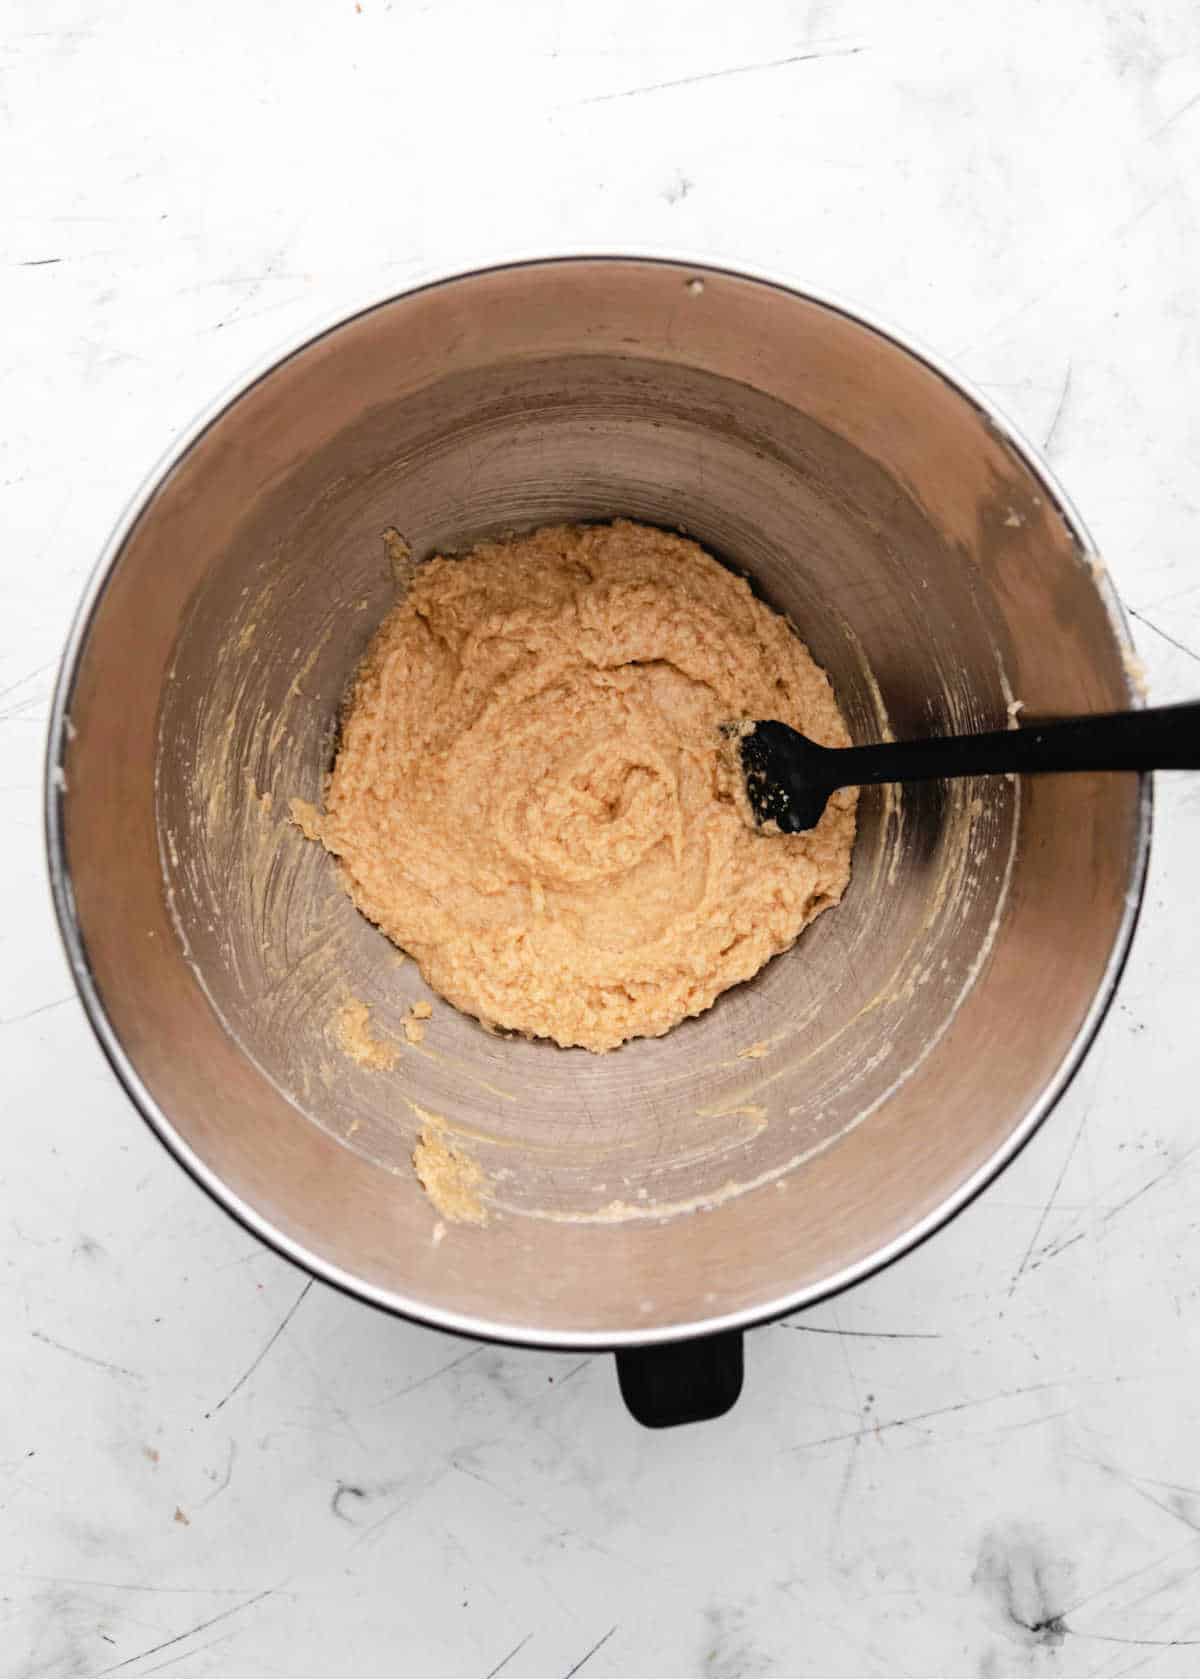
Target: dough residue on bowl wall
(414, 1022)
(454, 1182)
(352, 1026)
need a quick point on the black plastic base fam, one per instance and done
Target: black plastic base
(682, 1382)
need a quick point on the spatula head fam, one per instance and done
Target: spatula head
(786, 782)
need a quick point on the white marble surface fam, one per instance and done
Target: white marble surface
(986, 1460)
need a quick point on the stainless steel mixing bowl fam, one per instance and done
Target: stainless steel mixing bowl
(914, 1037)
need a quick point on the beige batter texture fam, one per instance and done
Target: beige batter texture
(450, 1178)
(531, 796)
(352, 1025)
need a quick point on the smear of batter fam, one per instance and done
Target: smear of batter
(352, 1025)
(530, 796)
(452, 1179)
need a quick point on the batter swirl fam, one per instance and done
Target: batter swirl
(531, 795)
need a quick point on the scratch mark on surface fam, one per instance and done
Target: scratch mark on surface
(1159, 632)
(939, 1411)
(1050, 1201)
(1118, 1208)
(1112, 1212)
(503, 1663)
(1171, 1487)
(185, 1656)
(1133, 1575)
(87, 1358)
(1174, 117)
(927, 1441)
(843, 1493)
(478, 1476)
(587, 1657)
(259, 1253)
(1156, 1592)
(1062, 403)
(1140, 214)
(25, 711)
(1116, 1639)
(255, 283)
(411, 1388)
(47, 262)
(29, 675)
(57, 1003)
(1132, 1668)
(573, 1372)
(1055, 1249)
(249, 1372)
(242, 315)
(222, 1615)
(1025, 1423)
(716, 75)
(868, 1335)
(413, 1489)
(225, 1480)
(1133, 1483)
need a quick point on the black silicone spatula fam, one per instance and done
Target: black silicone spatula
(789, 778)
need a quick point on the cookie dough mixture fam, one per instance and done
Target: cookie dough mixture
(533, 796)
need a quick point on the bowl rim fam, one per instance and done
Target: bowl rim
(393, 1301)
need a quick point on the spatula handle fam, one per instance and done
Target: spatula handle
(1161, 738)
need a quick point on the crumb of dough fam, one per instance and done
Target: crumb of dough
(306, 818)
(1014, 710)
(1013, 518)
(421, 1010)
(414, 1030)
(450, 1178)
(557, 698)
(352, 1024)
(181, 1516)
(399, 556)
(753, 1051)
